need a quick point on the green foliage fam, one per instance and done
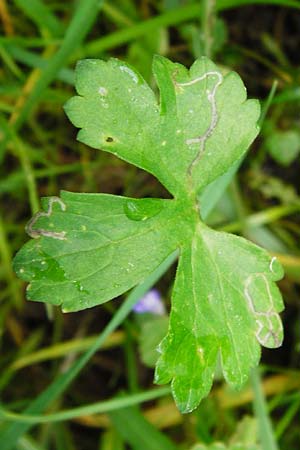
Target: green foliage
(284, 146)
(244, 438)
(220, 446)
(90, 248)
(138, 432)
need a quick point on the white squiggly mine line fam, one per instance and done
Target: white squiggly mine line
(35, 233)
(271, 264)
(211, 97)
(268, 315)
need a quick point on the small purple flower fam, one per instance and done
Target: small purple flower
(150, 303)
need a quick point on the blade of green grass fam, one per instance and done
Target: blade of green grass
(28, 345)
(10, 63)
(80, 25)
(268, 103)
(125, 35)
(94, 408)
(41, 15)
(17, 179)
(61, 437)
(29, 42)
(287, 418)
(170, 18)
(266, 434)
(6, 259)
(10, 435)
(27, 443)
(116, 15)
(63, 348)
(33, 60)
(25, 163)
(226, 4)
(267, 216)
(208, 17)
(110, 440)
(132, 426)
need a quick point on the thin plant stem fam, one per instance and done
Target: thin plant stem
(208, 23)
(267, 103)
(94, 408)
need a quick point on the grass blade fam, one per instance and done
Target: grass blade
(10, 435)
(80, 25)
(94, 408)
(38, 12)
(170, 18)
(266, 434)
(132, 426)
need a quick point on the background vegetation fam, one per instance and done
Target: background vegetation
(50, 363)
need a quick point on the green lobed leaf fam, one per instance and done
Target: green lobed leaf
(200, 109)
(207, 123)
(118, 113)
(90, 248)
(228, 305)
